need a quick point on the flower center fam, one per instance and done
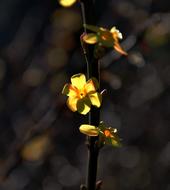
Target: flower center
(104, 37)
(82, 94)
(107, 133)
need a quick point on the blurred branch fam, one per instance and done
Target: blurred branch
(43, 126)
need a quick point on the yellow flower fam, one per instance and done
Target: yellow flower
(104, 37)
(82, 94)
(67, 3)
(107, 135)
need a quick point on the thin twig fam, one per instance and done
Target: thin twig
(87, 7)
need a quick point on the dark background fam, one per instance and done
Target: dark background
(40, 144)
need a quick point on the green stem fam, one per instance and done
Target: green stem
(94, 116)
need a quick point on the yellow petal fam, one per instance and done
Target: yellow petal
(115, 142)
(95, 99)
(118, 48)
(90, 38)
(78, 80)
(89, 130)
(91, 85)
(116, 32)
(72, 103)
(83, 105)
(95, 82)
(113, 29)
(67, 3)
(69, 90)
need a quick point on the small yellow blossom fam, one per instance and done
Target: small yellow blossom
(104, 37)
(82, 94)
(107, 135)
(66, 3)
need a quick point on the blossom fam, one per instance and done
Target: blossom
(82, 94)
(104, 37)
(107, 135)
(67, 3)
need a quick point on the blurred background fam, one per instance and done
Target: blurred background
(41, 147)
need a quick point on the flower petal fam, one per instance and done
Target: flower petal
(89, 130)
(78, 80)
(115, 142)
(90, 38)
(113, 29)
(118, 48)
(67, 3)
(116, 32)
(91, 86)
(83, 105)
(69, 90)
(96, 99)
(72, 103)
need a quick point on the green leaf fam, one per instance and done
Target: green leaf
(92, 28)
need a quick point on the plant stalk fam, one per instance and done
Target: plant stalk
(88, 14)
